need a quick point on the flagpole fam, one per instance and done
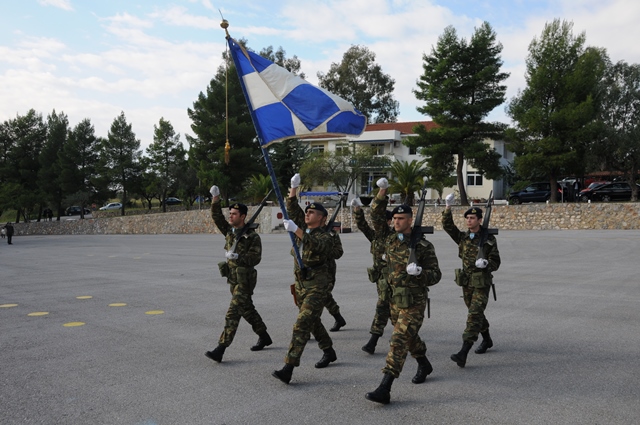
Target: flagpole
(274, 181)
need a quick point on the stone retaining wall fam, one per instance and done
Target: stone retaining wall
(508, 217)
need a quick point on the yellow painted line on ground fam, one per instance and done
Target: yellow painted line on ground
(84, 297)
(38, 313)
(73, 324)
(8, 305)
(154, 312)
(117, 304)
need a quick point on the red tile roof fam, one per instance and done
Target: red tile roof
(402, 127)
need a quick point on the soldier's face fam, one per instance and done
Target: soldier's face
(235, 218)
(402, 223)
(313, 218)
(473, 222)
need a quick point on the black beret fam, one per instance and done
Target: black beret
(240, 207)
(473, 210)
(318, 207)
(402, 209)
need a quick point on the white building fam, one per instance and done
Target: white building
(387, 139)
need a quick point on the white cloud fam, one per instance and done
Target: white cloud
(62, 4)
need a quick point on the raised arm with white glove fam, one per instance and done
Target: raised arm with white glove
(383, 183)
(448, 201)
(295, 181)
(356, 203)
(290, 225)
(214, 191)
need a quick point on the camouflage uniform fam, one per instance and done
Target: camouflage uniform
(475, 282)
(376, 275)
(241, 276)
(409, 299)
(332, 306)
(312, 289)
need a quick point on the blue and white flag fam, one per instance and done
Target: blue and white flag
(285, 106)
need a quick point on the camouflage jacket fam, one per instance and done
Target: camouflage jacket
(377, 244)
(468, 248)
(336, 253)
(317, 244)
(249, 248)
(396, 253)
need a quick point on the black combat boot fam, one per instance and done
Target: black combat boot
(329, 356)
(217, 353)
(461, 357)
(485, 344)
(370, 347)
(284, 374)
(382, 394)
(340, 322)
(263, 340)
(424, 369)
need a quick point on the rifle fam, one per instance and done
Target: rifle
(332, 221)
(251, 223)
(485, 231)
(417, 232)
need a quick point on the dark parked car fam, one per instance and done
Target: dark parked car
(172, 201)
(584, 192)
(616, 191)
(75, 210)
(535, 192)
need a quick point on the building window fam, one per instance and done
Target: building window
(317, 149)
(474, 178)
(378, 148)
(413, 150)
(343, 149)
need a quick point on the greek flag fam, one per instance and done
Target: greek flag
(284, 106)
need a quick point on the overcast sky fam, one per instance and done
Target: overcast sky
(151, 58)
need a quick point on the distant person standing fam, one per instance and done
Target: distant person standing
(474, 277)
(9, 230)
(239, 269)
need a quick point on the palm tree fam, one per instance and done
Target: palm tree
(258, 187)
(406, 179)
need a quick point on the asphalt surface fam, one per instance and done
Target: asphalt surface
(566, 329)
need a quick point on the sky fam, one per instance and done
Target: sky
(151, 58)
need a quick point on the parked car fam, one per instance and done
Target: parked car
(111, 206)
(616, 191)
(75, 210)
(584, 192)
(535, 192)
(172, 201)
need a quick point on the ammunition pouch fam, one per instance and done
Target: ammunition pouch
(404, 297)
(224, 269)
(374, 274)
(479, 280)
(461, 278)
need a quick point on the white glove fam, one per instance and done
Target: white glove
(230, 255)
(355, 202)
(290, 226)
(449, 199)
(214, 191)
(413, 269)
(295, 181)
(383, 183)
(482, 263)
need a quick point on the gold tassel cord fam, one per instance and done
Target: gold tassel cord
(227, 146)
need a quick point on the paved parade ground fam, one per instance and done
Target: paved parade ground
(113, 330)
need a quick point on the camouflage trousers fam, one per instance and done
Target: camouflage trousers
(241, 306)
(331, 305)
(476, 300)
(311, 302)
(383, 311)
(405, 339)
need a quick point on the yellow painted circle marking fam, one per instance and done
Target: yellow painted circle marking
(73, 324)
(38, 313)
(117, 304)
(84, 297)
(8, 305)
(154, 312)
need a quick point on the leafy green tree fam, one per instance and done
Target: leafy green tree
(407, 179)
(50, 173)
(360, 80)
(287, 157)
(165, 155)
(120, 159)
(620, 115)
(257, 188)
(460, 86)
(555, 115)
